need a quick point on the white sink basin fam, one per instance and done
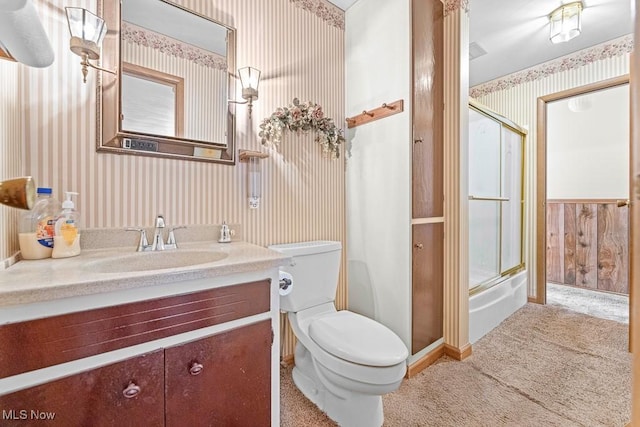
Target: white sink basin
(145, 261)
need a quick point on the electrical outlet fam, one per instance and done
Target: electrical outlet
(139, 144)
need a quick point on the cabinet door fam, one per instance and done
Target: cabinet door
(428, 285)
(428, 108)
(127, 393)
(222, 380)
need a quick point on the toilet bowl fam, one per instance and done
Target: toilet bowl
(344, 362)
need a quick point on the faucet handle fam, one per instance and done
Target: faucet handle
(143, 243)
(159, 221)
(171, 240)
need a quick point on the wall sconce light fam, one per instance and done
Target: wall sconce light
(249, 79)
(565, 22)
(87, 31)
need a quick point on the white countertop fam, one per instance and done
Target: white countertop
(30, 281)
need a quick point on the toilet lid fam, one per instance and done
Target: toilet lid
(358, 339)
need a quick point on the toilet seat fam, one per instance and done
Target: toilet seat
(357, 339)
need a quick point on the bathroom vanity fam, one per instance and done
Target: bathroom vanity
(113, 337)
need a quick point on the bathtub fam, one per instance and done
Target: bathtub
(487, 309)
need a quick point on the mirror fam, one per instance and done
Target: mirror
(175, 76)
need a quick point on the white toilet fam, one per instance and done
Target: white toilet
(344, 362)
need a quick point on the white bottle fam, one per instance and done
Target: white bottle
(35, 234)
(66, 239)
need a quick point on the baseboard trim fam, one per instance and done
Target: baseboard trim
(458, 353)
(425, 361)
(287, 360)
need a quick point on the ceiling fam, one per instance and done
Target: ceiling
(515, 33)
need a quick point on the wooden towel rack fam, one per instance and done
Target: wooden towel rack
(385, 110)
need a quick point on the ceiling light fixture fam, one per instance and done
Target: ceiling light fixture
(565, 22)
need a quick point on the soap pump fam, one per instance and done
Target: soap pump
(225, 233)
(66, 240)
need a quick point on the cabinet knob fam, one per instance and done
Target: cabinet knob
(195, 368)
(131, 391)
(417, 141)
(419, 245)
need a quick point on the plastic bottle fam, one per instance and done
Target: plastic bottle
(66, 240)
(35, 232)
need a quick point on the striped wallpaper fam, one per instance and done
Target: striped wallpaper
(518, 103)
(299, 54)
(11, 152)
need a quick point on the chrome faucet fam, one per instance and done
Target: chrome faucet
(158, 242)
(143, 243)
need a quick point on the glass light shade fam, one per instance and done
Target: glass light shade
(87, 31)
(565, 22)
(249, 79)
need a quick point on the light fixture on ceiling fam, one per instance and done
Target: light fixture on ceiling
(87, 32)
(579, 104)
(565, 22)
(249, 79)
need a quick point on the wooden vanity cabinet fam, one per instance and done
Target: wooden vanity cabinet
(222, 380)
(94, 398)
(219, 379)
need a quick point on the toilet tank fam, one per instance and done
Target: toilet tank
(314, 267)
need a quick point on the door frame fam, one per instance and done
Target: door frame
(541, 185)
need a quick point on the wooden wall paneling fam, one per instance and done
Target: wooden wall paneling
(428, 109)
(555, 242)
(427, 285)
(586, 245)
(613, 248)
(569, 244)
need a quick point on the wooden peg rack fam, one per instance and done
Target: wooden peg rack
(385, 110)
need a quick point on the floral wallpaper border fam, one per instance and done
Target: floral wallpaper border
(144, 37)
(324, 10)
(453, 5)
(616, 47)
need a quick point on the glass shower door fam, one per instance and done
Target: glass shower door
(484, 187)
(495, 199)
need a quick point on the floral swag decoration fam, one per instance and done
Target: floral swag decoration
(302, 117)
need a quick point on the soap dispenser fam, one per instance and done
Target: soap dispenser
(66, 240)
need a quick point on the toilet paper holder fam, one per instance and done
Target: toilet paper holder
(285, 283)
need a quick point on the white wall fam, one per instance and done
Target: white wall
(588, 151)
(378, 61)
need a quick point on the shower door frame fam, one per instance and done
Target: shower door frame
(509, 124)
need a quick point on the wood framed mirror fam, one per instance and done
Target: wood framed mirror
(175, 76)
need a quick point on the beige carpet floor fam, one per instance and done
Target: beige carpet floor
(544, 366)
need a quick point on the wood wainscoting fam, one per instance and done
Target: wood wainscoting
(588, 244)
